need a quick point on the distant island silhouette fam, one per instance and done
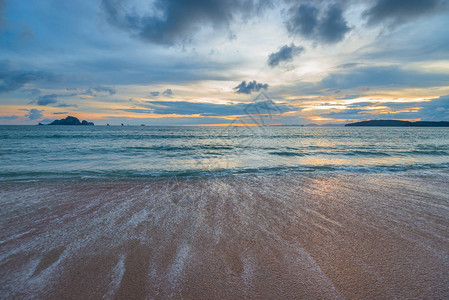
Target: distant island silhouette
(398, 123)
(70, 121)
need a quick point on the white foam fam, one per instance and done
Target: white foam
(16, 236)
(116, 278)
(177, 266)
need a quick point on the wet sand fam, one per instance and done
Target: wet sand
(295, 236)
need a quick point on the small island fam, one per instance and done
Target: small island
(70, 121)
(399, 123)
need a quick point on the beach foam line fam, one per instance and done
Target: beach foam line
(206, 170)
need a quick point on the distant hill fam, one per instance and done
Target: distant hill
(70, 121)
(398, 123)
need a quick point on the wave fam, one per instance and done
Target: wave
(370, 153)
(121, 174)
(428, 152)
(185, 149)
(285, 153)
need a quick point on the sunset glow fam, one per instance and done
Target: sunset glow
(206, 70)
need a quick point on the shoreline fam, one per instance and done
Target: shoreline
(128, 175)
(309, 235)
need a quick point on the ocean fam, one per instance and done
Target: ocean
(138, 212)
(39, 152)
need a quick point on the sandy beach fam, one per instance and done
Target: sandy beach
(211, 149)
(291, 236)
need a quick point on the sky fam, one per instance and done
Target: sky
(219, 62)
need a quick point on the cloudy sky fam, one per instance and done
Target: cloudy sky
(181, 62)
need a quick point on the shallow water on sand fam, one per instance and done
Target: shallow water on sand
(278, 236)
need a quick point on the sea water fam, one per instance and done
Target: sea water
(28, 152)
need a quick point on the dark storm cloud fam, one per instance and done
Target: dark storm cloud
(106, 89)
(53, 98)
(63, 105)
(333, 26)
(328, 26)
(252, 86)
(175, 21)
(395, 12)
(285, 53)
(12, 79)
(34, 114)
(167, 93)
(13, 117)
(208, 109)
(303, 20)
(435, 110)
(47, 99)
(93, 91)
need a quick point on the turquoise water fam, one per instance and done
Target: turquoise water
(28, 152)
